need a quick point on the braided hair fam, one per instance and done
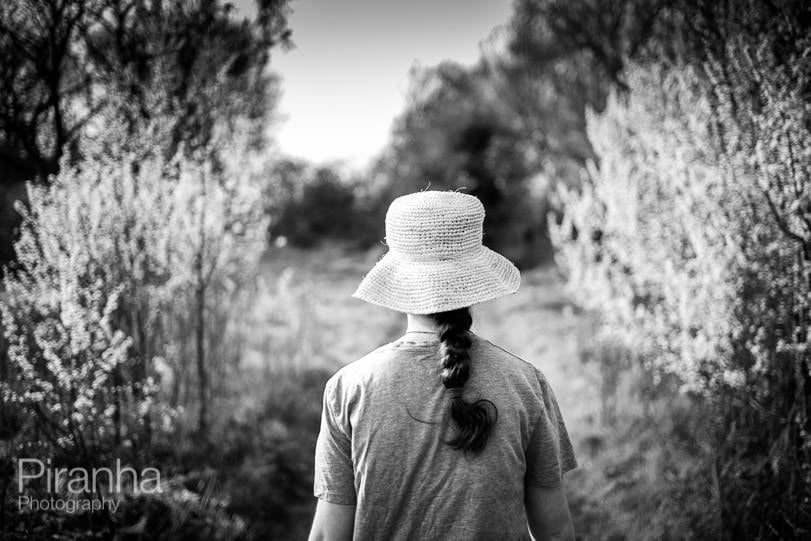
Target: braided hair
(472, 419)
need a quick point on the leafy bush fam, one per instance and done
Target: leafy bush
(464, 129)
(692, 238)
(92, 248)
(310, 205)
(114, 256)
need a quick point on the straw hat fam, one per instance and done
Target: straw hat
(436, 261)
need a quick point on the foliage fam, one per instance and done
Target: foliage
(112, 254)
(583, 46)
(271, 452)
(310, 204)
(219, 229)
(562, 58)
(124, 313)
(459, 132)
(253, 481)
(692, 238)
(512, 126)
(73, 366)
(66, 58)
(647, 241)
(176, 513)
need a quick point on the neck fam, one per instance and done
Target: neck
(417, 322)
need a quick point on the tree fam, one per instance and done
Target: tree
(72, 66)
(459, 133)
(64, 58)
(513, 126)
(584, 45)
(220, 233)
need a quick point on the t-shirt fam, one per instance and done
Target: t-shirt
(382, 445)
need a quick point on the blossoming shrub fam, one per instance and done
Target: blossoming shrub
(70, 346)
(692, 239)
(113, 256)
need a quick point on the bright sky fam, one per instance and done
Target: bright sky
(347, 77)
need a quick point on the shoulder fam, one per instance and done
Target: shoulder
(358, 370)
(521, 376)
(508, 362)
(345, 389)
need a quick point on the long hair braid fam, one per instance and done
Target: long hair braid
(473, 420)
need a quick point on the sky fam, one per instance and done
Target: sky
(346, 79)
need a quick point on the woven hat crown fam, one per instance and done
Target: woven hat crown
(436, 260)
(434, 225)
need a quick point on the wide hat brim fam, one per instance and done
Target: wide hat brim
(428, 287)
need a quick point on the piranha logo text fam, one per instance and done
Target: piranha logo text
(83, 481)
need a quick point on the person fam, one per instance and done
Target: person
(440, 434)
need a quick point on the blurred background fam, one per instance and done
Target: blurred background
(191, 190)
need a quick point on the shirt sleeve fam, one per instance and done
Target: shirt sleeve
(549, 451)
(334, 479)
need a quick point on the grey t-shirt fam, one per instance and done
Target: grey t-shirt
(381, 445)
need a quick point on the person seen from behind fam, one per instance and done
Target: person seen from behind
(440, 434)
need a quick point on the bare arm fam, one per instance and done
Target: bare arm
(332, 522)
(548, 513)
